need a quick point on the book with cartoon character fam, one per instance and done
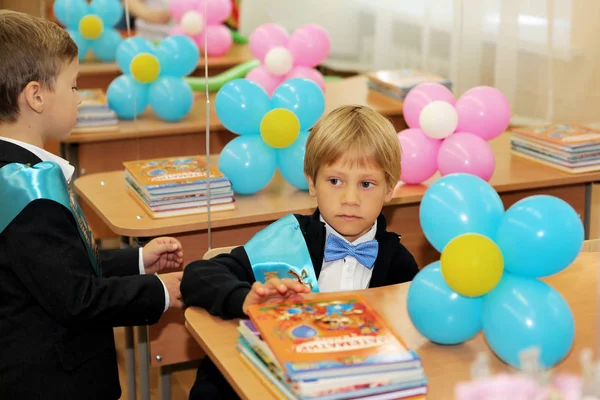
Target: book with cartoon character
(331, 335)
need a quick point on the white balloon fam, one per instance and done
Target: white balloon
(438, 119)
(279, 60)
(192, 23)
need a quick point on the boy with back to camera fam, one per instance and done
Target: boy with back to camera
(61, 298)
(352, 165)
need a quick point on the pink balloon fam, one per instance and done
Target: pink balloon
(309, 44)
(467, 153)
(178, 8)
(217, 11)
(307, 73)
(419, 156)
(420, 96)
(265, 79)
(219, 40)
(483, 111)
(265, 37)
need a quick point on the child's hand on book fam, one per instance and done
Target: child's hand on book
(273, 291)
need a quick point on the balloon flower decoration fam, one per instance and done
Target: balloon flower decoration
(285, 57)
(487, 276)
(190, 18)
(92, 25)
(273, 132)
(154, 76)
(451, 135)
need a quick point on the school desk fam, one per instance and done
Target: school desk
(514, 179)
(94, 75)
(444, 366)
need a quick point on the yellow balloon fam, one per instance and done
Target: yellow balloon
(91, 27)
(145, 68)
(279, 128)
(472, 264)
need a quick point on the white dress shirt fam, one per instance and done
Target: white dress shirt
(68, 171)
(346, 273)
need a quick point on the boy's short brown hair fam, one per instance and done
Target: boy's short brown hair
(31, 49)
(359, 133)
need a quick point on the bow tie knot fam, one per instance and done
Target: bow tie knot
(337, 248)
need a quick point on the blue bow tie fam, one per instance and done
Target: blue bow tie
(365, 253)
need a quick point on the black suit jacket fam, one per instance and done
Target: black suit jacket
(221, 284)
(56, 315)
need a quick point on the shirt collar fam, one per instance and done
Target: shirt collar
(44, 155)
(369, 235)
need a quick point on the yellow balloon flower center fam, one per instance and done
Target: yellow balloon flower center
(145, 68)
(91, 27)
(279, 128)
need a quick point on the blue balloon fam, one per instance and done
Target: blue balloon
(539, 236)
(241, 105)
(521, 313)
(458, 204)
(70, 12)
(439, 313)
(171, 98)
(304, 332)
(81, 43)
(105, 47)
(178, 56)
(127, 97)
(109, 11)
(249, 163)
(303, 97)
(290, 161)
(131, 47)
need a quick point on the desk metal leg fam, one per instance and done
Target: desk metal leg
(130, 363)
(587, 210)
(70, 152)
(144, 360)
(165, 383)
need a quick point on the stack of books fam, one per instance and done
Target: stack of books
(571, 148)
(329, 347)
(170, 187)
(93, 112)
(397, 83)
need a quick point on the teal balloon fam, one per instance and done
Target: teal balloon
(178, 56)
(105, 47)
(82, 44)
(240, 106)
(439, 313)
(109, 11)
(248, 163)
(171, 98)
(131, 47)
(303, 97)
(290, 161)
(70, 12)
(521, 313)
(457, 204)
(127, 97)
(539, 236)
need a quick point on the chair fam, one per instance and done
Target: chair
(216, 251)
(591, 246)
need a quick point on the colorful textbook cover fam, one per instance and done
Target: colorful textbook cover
(329, 336)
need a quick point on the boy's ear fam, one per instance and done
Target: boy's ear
(311, 186)
(34, 96)
(390, 192)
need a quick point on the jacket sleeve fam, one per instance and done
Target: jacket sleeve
(51, 261)
(405, 266)
(219, 285)
(120, 262)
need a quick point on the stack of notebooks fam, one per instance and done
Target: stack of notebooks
(571, 148)
(171, 187)
(331, 347)
(94, 113)
(397, 83)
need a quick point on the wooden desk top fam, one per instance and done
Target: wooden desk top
(107, 195)
(237, 55)
(350, 90)
(444, 365)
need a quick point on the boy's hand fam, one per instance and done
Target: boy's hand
(163, 253)
(274, 291)
(157, 16)
(172, 282)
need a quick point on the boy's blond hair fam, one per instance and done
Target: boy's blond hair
(31, 49)
(357, 133)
